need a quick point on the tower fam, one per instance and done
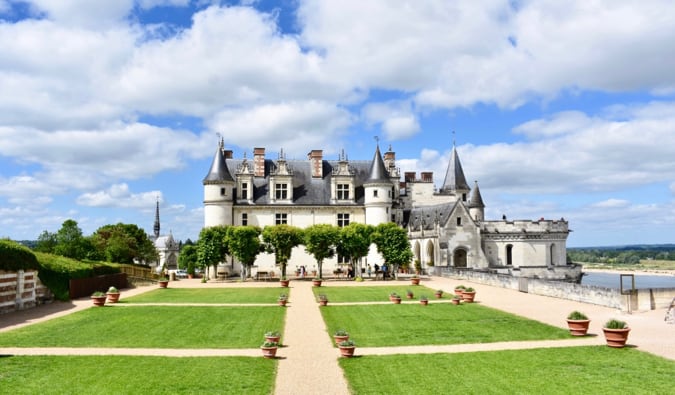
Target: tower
(156, 227)
(378, 190)
(455, 182)
(218, 190)
(476, 205)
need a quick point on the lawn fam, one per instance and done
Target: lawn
(152, 327)
(373, 294)
(441, 323)
(137, 375)
(209, 295)
(589, 370)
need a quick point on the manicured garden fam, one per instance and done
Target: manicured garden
(152, 327)
(591, 370)
(443, 323)
(137, 375)
(372, 294)
(209, 295)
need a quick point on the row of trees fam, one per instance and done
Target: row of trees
(322, 241)
(121, 243)
(620, 255)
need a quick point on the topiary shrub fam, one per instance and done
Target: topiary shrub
(14, 256)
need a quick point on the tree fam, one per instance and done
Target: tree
(188, 258)
(392, 243)
(320, 241)
(280, 240)
(46, 242)
(69, 240)
(354, 242)
(124, 243)
(212, 246)
(245, 245)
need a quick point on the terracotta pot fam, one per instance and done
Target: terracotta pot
(99, 300)
(396, 300)
(578, 327)
(323, 302)
(282, 302)
(284, 283)
(438, 295)
(269, 352)
(272, 339)
(616, 337)
(415, 281)
(113, 297)
(339, 339)
(347, 352)
(456, 301)
(409, 296)
(424, 302)
(459, 291)
(468, 296)
(163, 283)
(316, 283)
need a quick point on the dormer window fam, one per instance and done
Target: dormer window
(343, 191)
(244, 190)
(281, 191)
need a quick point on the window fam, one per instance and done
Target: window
(244, 190)
(244, 219)
(343, 191)
(281, 191)
(342, 219)
(222, 191)
(281, 219)
(464, 197)
(459, 221)
(375, 193)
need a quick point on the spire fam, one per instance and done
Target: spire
(476, 198)
(156, 227)
(454, 176)
(378, 172)
(219, 171)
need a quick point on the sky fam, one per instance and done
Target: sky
(559, 109)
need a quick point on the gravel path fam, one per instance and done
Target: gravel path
(309, 360)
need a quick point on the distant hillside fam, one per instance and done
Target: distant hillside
(631, 254)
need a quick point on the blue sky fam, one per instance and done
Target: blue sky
(560, 109)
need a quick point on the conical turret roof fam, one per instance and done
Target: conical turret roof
(476, 198)
(378, 171)
(219, 171)
(454, 176)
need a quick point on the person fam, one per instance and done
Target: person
(368, 270)
(302, 271)
(350, 271)
(384, 271)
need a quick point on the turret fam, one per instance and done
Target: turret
(455, 182)
(476, 205)
(378, 190)
(218, 190)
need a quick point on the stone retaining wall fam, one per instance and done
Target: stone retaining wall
(640, 300)
(21, 290)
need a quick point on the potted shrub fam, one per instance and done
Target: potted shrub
(395, 298)
(347, 348)
(269, 349)
(272, 337)
(409, 294)
(423, 300)
(456, 299)
(283, 299)
(468, 294)
(616, 333)
(113, 295)
(439, 294)
(316, 281)
(340, 335)
(415, 279)
(578, 323)
(98, 298)
(323, 299)
(459, 289)
(163, 282)
(284, 281)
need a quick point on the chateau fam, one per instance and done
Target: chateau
(446, 226)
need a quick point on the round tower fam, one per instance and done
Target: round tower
(218, 191)
(378, 191)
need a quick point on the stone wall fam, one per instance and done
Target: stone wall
(641, 300)
(21, 290)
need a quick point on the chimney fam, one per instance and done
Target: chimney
(259, 162)
(316, 161)
(409, 176)
(228, 154)
(427, 176)
(390, 159)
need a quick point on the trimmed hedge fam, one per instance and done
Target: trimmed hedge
(56, 271)
(14, 256)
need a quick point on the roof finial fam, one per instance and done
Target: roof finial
(453, 138)
(377, 140)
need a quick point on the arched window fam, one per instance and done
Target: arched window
(509, 254)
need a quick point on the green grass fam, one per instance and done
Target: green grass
(152, 327)
(443, 323)
(213, 295)
(587, 370)
(374, 294)
(135, 375)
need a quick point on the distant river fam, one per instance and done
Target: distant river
(611, 280)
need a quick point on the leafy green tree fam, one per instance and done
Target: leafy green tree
(392, 243)
(69, 241)
(320, 241)
(354, 242)
(245, 245)
(46, 242)
(212, 246)
(124, 243)
(188, 258)
(280, 240)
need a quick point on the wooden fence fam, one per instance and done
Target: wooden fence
(80, 287)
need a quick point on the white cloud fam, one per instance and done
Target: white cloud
(119, 195)
(396, 117)
(27, 190)
(91, 14)
(612, 203)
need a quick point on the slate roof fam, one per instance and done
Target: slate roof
(378, 172)
(454, 176)
(425, 217)
(476, 198)
(219, 171)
